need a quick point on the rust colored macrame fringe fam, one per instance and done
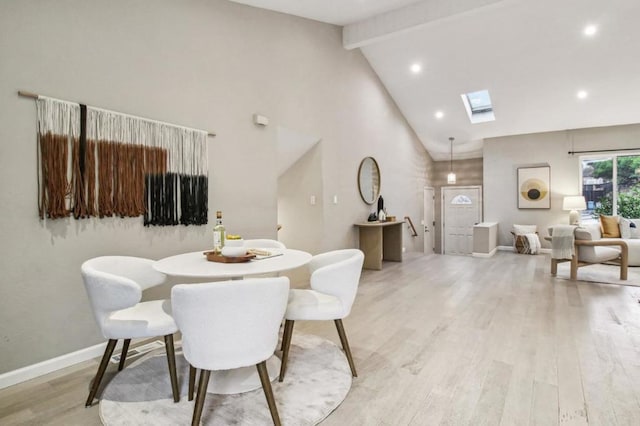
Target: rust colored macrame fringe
(105, 173)
(119, 180)
(128, 176)
(90, 173)
(55, 186)
(122, 169)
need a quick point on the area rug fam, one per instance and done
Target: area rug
(317, 381)
(601, 273)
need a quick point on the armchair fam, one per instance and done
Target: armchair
(589, 249)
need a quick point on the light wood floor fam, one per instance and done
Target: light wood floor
(454, 341)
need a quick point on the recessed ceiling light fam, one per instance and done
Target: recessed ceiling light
(590, 30)
(439, 114)
(416, 68)
(582, 94)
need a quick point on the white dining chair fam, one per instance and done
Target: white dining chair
(227, 325)
(334, 280)
(114, 285)
(264, 243)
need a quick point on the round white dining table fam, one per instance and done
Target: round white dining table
(196, 265)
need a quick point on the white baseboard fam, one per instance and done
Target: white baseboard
(485, 255)
(510, 248)
(29, 372)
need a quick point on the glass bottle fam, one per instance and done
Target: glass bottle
(218, 233)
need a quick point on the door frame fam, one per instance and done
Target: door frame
(442, 218)
(431, 225)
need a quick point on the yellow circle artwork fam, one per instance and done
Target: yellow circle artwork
(534, 190)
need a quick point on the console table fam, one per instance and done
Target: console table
(380, 241)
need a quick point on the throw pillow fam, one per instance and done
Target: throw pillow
(635, 231)
(625, 228)
(610, 228)
(527, 244)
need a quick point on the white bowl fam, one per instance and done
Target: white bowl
(233, 251)
(234, 243)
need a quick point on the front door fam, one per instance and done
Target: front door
(461, 210)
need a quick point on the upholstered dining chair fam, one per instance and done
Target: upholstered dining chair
(334, 280)
(264, 243)
(114, 285)
(227, 325)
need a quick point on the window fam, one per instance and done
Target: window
(461, 199)
(611, 185)
(478, 106)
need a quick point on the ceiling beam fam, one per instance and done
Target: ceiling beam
(406, 18)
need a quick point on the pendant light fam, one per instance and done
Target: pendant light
(451, 177)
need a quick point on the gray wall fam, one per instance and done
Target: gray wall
(503, 156)
(206, 64)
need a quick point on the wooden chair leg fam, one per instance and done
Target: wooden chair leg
(624, 264)
(111, 345)
(574, 267)
(268, 392)
(282, 344)
(345, 346)
(554, 267)
(192, 381)
(171, 360)
(202, 393)
(123, 354)
(286, 344)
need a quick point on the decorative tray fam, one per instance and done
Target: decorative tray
(215, 257)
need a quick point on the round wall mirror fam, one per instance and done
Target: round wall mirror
(369, 180)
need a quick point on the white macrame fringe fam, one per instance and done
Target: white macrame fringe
(187, 148)
(58, 117)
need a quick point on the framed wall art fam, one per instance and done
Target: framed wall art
(534, 190)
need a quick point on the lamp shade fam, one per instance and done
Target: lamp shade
(574, 202)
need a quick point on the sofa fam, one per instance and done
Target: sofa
(614, 228)
(589, 247)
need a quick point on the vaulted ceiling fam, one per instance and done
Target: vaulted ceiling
(533, 56)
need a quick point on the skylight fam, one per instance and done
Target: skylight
(478, 106)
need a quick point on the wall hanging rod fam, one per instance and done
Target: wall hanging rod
(603, 150)
(31, 95)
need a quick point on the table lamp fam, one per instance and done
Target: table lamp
(574, 203)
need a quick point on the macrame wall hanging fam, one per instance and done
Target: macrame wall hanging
(99, 163)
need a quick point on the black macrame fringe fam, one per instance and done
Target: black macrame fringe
(193, 200)
(161, 207)
(172, 199)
